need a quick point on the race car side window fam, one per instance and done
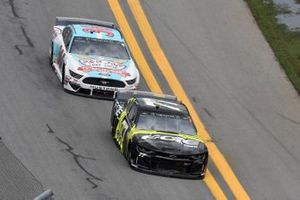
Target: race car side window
(132, 112)
(67, 35)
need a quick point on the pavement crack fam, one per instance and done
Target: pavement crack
(29, 44)
(77, 158)
(50, 130)
(17, 47)
(13, 8)
(90, 180)
(28, 40)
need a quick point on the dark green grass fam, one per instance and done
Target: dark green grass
(285, 44)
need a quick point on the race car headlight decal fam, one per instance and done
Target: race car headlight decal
(130, 82)
(143, 150)
(199, 157)
(75, 75)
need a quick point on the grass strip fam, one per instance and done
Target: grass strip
(285, 43)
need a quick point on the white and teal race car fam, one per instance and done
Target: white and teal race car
(91, 58)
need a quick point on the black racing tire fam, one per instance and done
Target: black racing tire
(202, 177)
(63, 76)
(51, 56)
(129, 159)
(129, 155)
(113, 131)
(114, 127)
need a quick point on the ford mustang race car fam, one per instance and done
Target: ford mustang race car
(156, 135)
(91, 58)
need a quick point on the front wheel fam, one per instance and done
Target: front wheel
(129, 155)
(51, 55)
(63, 76)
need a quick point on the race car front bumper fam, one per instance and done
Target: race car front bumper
(183, 166)
(77, 86)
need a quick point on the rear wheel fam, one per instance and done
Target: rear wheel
(114, 126)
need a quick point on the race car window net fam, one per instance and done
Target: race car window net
(166, 123)
(67, 36)
(99, 47)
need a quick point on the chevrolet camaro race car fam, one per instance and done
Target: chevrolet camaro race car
(91, 58)
(156, 135)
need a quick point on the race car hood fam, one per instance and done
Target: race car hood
(102, 67)
(171, 144)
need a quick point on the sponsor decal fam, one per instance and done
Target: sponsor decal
(95, 87)
(102, 63)
(97, 29)
(104, 71)
(169, 138)
(166, 104)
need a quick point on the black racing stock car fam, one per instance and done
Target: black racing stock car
(156, 134)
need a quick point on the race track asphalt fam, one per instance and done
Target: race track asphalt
(62, 139)
(222, 60)
(241, 93)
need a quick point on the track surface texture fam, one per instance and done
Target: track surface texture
(62, 139)
(220, 57)
(243, 96)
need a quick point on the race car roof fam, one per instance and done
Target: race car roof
(162, 106)
(97, 32)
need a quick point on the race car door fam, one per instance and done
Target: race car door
(127, 124)
(64, 44)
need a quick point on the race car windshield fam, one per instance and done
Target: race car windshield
(166, 123)
(99, 47)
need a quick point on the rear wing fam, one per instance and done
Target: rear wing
(64, 21)
(123, 96)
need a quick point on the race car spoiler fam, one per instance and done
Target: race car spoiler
(64, 21)
(123, 96)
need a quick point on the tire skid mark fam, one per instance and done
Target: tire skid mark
(208, 113)
(288, 119)
(260, 123)
(77, 157)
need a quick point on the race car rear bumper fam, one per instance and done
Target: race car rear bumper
(168, 165)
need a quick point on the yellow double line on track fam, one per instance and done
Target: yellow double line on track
(167, 71)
